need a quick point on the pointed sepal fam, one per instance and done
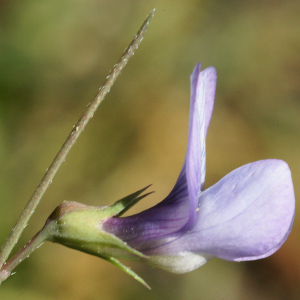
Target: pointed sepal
(127, 270)
(79, 226)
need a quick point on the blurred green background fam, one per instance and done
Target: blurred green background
(54, 55)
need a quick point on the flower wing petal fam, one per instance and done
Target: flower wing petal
(247, 215)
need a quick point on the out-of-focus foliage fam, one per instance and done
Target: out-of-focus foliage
(54, 55)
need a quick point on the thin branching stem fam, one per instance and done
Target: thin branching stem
(68, 144)
(14, 261)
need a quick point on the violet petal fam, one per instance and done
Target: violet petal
(178, 209)
(203, 86)
(247, 215)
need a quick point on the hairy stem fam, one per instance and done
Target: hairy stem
(32, 245)
(68, 144)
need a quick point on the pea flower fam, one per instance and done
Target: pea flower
(247, 215)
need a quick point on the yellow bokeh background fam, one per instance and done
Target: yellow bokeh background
(54, 55)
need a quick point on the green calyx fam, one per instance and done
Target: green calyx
(79, 226)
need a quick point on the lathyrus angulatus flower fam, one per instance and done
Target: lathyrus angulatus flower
(247, 215)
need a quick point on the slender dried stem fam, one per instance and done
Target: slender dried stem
(68, 144)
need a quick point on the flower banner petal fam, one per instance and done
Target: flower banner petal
(203, 86)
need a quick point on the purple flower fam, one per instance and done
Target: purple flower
(247, 215)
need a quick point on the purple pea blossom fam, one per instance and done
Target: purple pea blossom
(247, 215)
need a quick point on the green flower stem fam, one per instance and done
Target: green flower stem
(70, 141)
(32, 245)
